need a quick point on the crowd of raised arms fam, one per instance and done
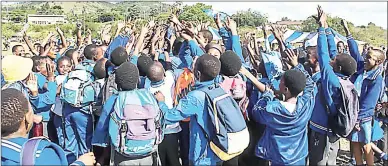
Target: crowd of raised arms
(171, 95)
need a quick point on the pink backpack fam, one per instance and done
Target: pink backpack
(237, 88)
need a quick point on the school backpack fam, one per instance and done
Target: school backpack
(237, 88)
(31, 150)
(77, 89)
(226, 131)
(109, 88)
(342, 124)
(184, 84)
(135, 125)
(97, 105)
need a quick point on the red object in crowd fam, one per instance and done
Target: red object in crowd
(38, 130)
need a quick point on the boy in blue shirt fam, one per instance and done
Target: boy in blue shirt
(127, 78)
(324, 144)
(207, 68)
(284, 141)
(78, 120)
(17, 119)
(369, 84)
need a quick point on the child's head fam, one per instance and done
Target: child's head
(39, 64)
(73, 55)
(214, 49)
(207, 67)
(16, 112)
(312, 56)
(119, 56)
(64, 65)
(155, 72)
(292, 83)
(90, 51)
(99, 69)
(207, 35)
(230, 63)
(340, 47)
(344, 64)
(127, 76)
(373, 59)
(144, 63)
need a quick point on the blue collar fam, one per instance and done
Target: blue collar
(199, 85)
(373, 74)
(157, 84)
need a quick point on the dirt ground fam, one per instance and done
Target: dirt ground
(344, 157)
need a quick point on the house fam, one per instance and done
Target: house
(46, 19)
(296, 24)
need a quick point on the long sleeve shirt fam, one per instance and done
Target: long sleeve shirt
(285, 138)
(369, 84)
(193, 106)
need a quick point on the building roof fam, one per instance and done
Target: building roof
(37, 15)
(289, 22)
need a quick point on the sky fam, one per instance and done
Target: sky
(359, 13)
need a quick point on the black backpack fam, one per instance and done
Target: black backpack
(109, 88)
(342, 123)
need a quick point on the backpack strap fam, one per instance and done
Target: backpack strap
(29, 151)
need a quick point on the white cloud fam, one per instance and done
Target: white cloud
(359, 13)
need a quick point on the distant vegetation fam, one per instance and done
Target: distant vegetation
(97, 14)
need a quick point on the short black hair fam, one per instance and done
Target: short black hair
(207, 35)
(69, 53)
(340, 42)
(295, 81)
(127, 76)
(90, 51)
(14, 107)
(99, 69)
(143, 64)
(209, 66)
(155, 72)
(15, 47)
(119, 56)
(347, 63)
(37, 61)
(230, 63)
(63, 58)
(176, 47)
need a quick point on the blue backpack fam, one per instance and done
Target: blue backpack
(135, 125)
(77, 89)
(227, 131)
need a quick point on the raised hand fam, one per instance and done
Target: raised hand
(232, 26)
(120, 24)
(59, 31)
(159, 96)
(344, 23)
(292, 57)
(173, 18)
(32, 84)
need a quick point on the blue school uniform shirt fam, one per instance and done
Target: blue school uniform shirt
(188, 51)
(369, 84)
(41, 103)
(285, 137)
(193, 106)
(11, 148)
(329, 92)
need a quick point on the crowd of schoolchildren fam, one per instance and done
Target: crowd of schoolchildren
(171, 95)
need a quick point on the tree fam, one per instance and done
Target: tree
(195, 13)
(285, 19)
(249, 18)
(57, 7)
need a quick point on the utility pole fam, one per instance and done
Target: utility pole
(84, 12)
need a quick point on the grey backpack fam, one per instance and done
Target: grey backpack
(342, 124)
